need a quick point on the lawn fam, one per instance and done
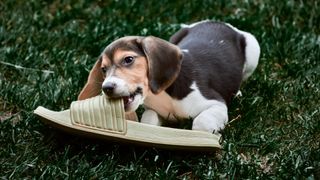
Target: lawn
(48, 47)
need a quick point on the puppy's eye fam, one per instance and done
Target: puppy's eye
(104, 69)
(128, 60)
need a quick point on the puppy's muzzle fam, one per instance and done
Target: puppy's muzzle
(131, 100)
(109, 88)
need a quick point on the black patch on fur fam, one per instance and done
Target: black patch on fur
(214, 61)
(181, 87)
(178, 36)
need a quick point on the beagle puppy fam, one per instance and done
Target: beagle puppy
(194, 75)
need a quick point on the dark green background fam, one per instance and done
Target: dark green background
(275, 127)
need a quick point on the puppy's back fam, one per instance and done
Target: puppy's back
(217, 54)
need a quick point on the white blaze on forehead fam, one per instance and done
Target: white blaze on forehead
(110, 72)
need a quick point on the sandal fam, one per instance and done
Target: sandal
(104, 118)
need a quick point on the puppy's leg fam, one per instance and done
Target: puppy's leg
(212, 119)
(150, 117)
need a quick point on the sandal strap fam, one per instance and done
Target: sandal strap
(99, 113)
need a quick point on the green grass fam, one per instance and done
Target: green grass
(274, 129)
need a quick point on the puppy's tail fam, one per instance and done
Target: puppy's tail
(252, 53)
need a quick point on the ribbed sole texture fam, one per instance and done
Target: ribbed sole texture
(99, 113)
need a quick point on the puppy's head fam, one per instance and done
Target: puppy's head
(132, 67)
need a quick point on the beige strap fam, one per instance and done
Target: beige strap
(99, 113)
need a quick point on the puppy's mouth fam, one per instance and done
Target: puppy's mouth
(128, 100)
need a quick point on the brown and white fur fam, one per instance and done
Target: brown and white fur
(195, 74)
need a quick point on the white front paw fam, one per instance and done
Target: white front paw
(211, 120)
(150, 117)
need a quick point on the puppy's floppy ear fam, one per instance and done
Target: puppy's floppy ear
(164, 61)
(94, 83)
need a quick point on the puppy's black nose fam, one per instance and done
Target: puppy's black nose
(108, 88)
